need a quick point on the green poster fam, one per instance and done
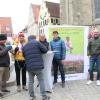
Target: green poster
(76, 35)
(74, 54)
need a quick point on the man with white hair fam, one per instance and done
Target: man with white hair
(43, 40)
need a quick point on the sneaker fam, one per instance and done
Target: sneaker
(25, 88)
(18, 88)
(1, 94)
(46, 98)
(5, 90)
(54, 82)
(48, 91)
(89, 82)
(33, 98)
(98, 82)
(63, 84)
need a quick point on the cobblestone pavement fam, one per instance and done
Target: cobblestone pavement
(75, 90)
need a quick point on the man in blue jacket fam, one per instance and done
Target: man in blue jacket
(32, 52)
(59, 47)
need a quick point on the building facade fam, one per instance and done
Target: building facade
(6, 26)
(32, 26)
(79, 12)
(49, 15)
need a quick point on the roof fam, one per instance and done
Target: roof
(36, 10)
(54, 9)
(5, 25)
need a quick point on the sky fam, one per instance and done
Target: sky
(18, 10)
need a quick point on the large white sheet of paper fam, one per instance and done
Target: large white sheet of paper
(47, 58)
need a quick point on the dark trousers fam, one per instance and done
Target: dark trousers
(20, 68)
(94, 60)
(57, 64)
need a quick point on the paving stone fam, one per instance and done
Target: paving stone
(74, 90)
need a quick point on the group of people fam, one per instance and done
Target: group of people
(28, 57)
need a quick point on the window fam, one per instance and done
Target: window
(97, 8)
(41, 23)
(56, 20)
(45, 22)
(51, 20)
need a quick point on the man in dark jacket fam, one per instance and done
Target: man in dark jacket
(94, 56)
(4, 64)
(43, 40)
(59, 47)
(34, 64)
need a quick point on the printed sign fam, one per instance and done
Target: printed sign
(75, 37)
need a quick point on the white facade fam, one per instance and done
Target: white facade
(32, 25)
(45, 17)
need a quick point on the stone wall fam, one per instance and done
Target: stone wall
(63, 9)
(76, 12)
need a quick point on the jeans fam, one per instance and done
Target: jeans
(94, 60)
(20, 66)
(57, 64)
(39, 74)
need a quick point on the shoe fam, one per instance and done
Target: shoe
(63, 84)
(5, 90)
(25, 88)
(89, 82)
(98, 82)
(1, 94)
(33, 98)
(48, 91)
(18, 88)
(46, 98)
(54, 82)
